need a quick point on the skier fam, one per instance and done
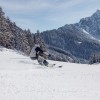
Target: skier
(39, 54)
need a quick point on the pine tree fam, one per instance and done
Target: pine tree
(94, 58)
(39, 40)
(6, 37)
(2, 20)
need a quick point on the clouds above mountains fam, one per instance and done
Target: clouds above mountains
(39, 5)
(47, 14)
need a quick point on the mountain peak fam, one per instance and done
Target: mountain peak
(97, 13)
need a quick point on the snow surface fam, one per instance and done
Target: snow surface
(24, 79)
(88, 34)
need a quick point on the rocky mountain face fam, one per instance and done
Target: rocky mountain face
(13, 37)
(91, 24)
(79, 40)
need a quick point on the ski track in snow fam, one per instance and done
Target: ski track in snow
(24, 79)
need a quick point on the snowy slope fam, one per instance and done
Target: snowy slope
(90, 36)
(23, 79)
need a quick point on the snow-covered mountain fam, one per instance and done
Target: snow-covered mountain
(91, 24)
(80, 39)
(24, 79)
(74, 42)
(13, 37)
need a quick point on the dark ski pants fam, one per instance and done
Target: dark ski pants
(40, 62)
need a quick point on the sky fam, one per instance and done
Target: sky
(47, 14)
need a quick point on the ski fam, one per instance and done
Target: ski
(54, 66)
(60, 66)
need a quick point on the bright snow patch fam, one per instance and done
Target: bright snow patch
(78, 42)
(88, 34)
(85, 31)
(23, 79)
